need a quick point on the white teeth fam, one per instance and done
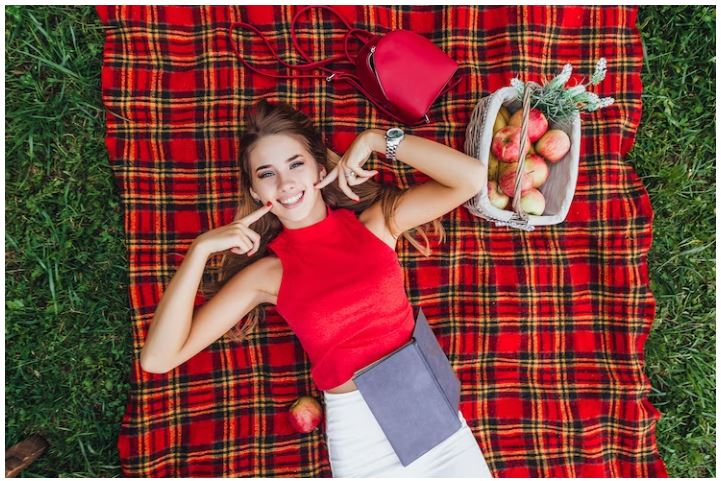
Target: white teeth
(292, 199)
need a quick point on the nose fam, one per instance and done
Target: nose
(287, 183)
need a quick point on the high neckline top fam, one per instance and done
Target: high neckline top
(342, 293)
(321, 228)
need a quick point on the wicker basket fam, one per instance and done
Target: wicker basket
(559, 188)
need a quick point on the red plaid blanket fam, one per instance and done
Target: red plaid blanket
(545, 329)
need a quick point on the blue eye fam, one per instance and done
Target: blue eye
(261, 176)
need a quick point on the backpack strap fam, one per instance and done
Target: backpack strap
(344, 75)
(310, 65)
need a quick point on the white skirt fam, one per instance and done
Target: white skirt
(358, 448)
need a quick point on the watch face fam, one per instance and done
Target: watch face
(394, 133)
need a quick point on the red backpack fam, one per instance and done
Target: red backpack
(401, 72)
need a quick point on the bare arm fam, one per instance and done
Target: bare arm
(446, 165)
(175, 334)
(171, 322)
(455, 178)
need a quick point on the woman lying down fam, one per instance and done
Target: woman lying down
(333, 274)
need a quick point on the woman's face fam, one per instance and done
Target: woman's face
(281, 168)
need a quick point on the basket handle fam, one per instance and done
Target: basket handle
(520, 214)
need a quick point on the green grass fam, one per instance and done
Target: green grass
(67, 333)
(67, 309)
(675, 156)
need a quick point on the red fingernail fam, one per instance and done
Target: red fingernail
(269, 203)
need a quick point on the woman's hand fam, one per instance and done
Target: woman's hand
(236, 236)
(348, 171)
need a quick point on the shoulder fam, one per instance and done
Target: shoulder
(269, 271)
(375, 221)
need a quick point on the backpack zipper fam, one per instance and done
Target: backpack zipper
(371, 63)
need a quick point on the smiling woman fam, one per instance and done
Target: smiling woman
(282, 154)
(285, 183)
(329, 241)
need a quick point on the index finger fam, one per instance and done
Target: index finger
(257, 214)
(328, 179)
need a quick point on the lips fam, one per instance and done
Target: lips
(294, 204)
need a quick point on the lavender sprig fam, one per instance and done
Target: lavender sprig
(559, 103)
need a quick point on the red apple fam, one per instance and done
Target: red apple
(305, 414)
(507, 182)
(506, 144)
(537, 123)
(536, 168)
(496, 197)
(554, 145)
(532, 202)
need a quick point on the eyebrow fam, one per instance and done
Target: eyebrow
(264, 166)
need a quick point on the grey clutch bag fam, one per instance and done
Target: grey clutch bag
(414, 394)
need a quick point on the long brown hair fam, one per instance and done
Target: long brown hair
(269, 119)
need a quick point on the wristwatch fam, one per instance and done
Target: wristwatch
(393, 139)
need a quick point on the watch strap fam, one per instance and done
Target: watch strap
(391, 147)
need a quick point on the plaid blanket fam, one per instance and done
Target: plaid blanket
(545, 329)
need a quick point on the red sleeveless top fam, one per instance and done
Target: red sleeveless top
(342, 294)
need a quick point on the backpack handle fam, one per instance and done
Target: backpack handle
(337, 74)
